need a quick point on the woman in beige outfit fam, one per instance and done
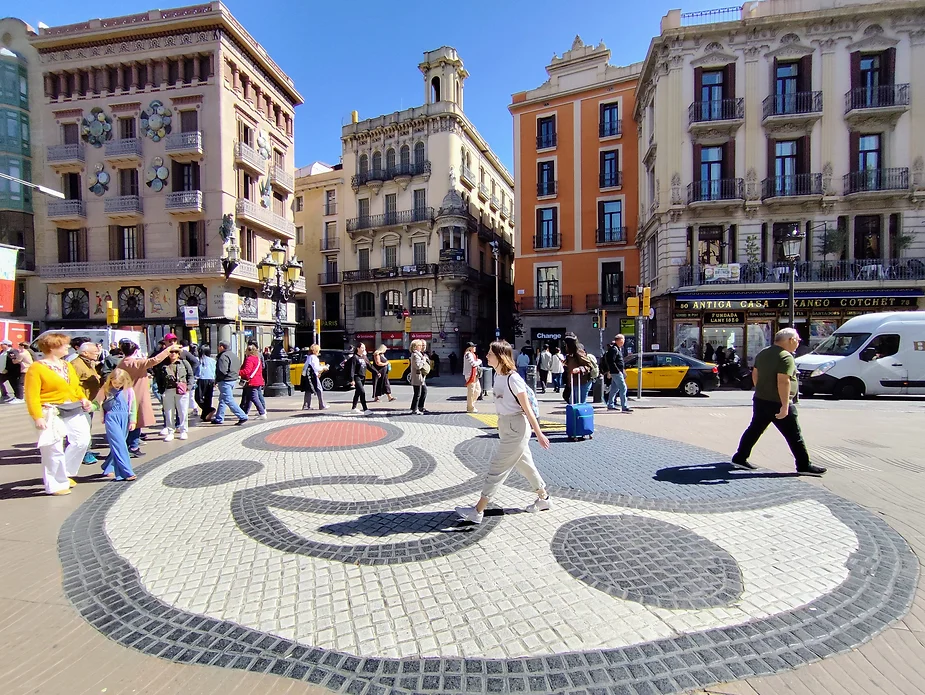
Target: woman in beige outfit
(138, 367)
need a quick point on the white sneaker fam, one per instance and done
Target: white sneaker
(416, 412)
(541, 505)
(169, 436)
(165, 432)
(357, 411)
(469, 514)
(262, 417)
(183, 436)
(15, 401)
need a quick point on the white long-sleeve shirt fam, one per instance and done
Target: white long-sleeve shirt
(470, 360)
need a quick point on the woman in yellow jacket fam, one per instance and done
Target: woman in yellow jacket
(57, 404)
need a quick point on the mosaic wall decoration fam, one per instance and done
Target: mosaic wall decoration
(99, 180)
(155, 121)
(100, 303)
(263, 145)
(156, 174)
(96, 128)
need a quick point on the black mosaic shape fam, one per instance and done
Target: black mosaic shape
(648, 561)
(259, 441)
(212, 473)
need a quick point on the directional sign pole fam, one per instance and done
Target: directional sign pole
(639, 350)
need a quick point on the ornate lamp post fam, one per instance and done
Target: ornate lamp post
(278, 277)
(792, 243)
(496, 252)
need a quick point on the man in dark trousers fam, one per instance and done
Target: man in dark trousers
(774, 376)
(614, 363)
(227, 366)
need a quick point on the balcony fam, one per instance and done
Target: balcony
(371, 274)
(330, 209)
(67, 212)
(538, 305)
(330, 243)
(546, 141)
(547, 242)
(331, 278)
(281, 179)
(406, 170)
(876, 105)
(505, 211)
(866, 270)
(247, 157)
(467, 177)
(877, 181)
(788, 110)
(184, 146)
(457, 270)
(483, 192)
(547, 189)
(390, 219)
(609, 129)
(123, 207)
(184, 202)
(610, 235)
(793, 186)
(718, 190)
(66, 158)
(252, 213)
(495, 203)
(717, 120)
(127, 151)
(597, 301)
(142, 267)
(611, 179)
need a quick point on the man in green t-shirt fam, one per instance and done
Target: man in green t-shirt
(774, 376)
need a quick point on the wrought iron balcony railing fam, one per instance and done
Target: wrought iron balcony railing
(544, 188)
(330, 243)
(715, 190)
(546, 141)
(362, 178)
(793, 185)
(882, 97)
(127, 147)
(547, 241)
(792, 104)
(896, 179)
(184, 200)
(59, 209)
(332, 278)
(716, 110)
(611, 179)
(610, 235)
(598, 301)
(65, 153)
(559, 302)
(123, 204)
(606, 129)
(190, 143)
(871, 269)
(390, 218)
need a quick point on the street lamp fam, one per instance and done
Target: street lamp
(792, 243)
(279, 277)
(495, 252)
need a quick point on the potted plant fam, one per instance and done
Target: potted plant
(752, 271)
(834, 242)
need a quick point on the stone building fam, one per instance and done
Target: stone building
(777, 116)
(171, 134)
(426, 201)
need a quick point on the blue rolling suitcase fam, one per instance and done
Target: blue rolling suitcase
(579, 417)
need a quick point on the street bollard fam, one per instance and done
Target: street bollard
(597, 390)
(487, 379)
(531, 377)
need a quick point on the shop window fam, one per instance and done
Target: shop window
(421, 302)
(687, 339)
(391, 302)
(365, 305)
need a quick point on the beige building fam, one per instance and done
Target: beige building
(426, 200)
(171, 134)
(781, 115)
(318, 190)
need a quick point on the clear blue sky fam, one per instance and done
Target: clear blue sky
(364, 55)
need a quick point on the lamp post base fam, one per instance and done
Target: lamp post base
(278, 378)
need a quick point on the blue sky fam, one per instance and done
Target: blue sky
(364, 55)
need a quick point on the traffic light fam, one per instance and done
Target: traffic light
(603, 319)
(112, 315)
(318, 327)
(646, 293)
(632, 306)
(596, 321)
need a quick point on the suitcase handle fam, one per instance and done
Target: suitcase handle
(574, 387)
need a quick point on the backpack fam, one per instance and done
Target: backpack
(594, 370)
(531, 396)
(425, 367)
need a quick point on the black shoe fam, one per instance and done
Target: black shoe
(626, 410)
(144, 437)
(744, 464)
(242, 422)
(812, 470)
(136, 453)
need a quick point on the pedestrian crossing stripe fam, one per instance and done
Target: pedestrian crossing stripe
(492, 421)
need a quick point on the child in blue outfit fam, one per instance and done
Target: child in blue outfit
(120, 413)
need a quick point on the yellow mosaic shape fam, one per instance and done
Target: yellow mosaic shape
(492, 421)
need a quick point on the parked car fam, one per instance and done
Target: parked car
(400, 363)
(671, 371)
(335, 378)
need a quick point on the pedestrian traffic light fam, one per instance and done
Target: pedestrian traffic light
(603, 319)
(112, 314)
(596, 321)
(632, 306)
(646, 293)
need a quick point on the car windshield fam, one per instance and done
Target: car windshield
(841, 344)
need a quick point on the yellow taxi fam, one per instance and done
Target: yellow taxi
(671, 371)
(399, 365)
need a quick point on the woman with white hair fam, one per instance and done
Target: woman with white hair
(420, 368)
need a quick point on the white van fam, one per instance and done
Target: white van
(870, 355)
(101, 336)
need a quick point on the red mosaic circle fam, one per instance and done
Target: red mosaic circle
(329, 435)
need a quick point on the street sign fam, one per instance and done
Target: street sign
(191, 315)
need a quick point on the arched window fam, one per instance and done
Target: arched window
(390, 161)
(391, 302)
(364, 164)
(377, 161)
(435, 89)
(421, 302)
(419, 155)
(364, 305)
(464, 303)
(405, 157)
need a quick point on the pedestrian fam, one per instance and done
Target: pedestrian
(58, 406)
(435, 363)
(87, 367)
(523, 361)
(454, 361)
(14, 373)
(6, 391)
(137, 368)
(252, 381)
(471, 366)
(558, 366)
(515, 421)
(227, 366)
(420, 368)
(264, 369)
(26, 356)
(380, 371)
(192, 364)
(205, 384)
(543, 366)
(708, 352)
(774, 377)
(117, 400)
(311, 379)
(579, 362)
(357, 366)
(174, 380)
(110, 362)
(613, 360)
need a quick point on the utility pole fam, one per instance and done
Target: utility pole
(496, 253)
(314, 325)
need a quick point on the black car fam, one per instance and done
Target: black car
(336, 377)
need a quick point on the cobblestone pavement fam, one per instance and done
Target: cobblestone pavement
(323, 549)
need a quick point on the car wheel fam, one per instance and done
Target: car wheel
(407, 377)
(850, 389)
(691, 387)
(327, 383)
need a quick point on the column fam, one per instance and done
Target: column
(49, 84)
(196, 59)
(163, 73)
(135, 84)
(235, 78)
(75, 83)
(62, 84)
(91, 80)
(150, 73)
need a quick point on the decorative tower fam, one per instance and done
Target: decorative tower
(444, 76)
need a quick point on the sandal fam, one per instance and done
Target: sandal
(392, 398)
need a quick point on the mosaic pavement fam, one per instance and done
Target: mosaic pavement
(324, 549)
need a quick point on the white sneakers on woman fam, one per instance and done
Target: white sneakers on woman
(541, 505)
(470, 514)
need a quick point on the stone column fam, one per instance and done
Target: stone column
(75, 83)
(164, 73)
(235, 78)
(150, 73)
(49, 84)
(832, 130)
(91, 80)
(196, 59)
(135, 85)
(62, 83)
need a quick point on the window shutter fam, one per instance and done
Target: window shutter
(698, 84)
(854, 150)
(195, 166)
(62, 246)
(182, 238)
(729, 159)
(697, 154)
(555, 223)
(774, 76)
(803, 155)
(115, 244)
(805, 78)
(855, 70)
(600, 214)
(602, 169)
(82, 245)
(889, 66)
(140, 241)
(201, 238)
(729, 88)
(772, 152)
(539, 223)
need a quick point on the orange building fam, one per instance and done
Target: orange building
(576, 202)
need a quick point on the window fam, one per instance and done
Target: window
(279, 204)
(128, 181)
(547, 228)
(299, 235)
(330, 269)
(419, 157)
(248, 245)
(711, 244)
(332, 306)
(126, 243)
(611, 284)
(127, 128)
(245, 134)
(610, 169)
(545, 132)
(72, 245)
(70, 186)
(390, 256)
(391, 302)
(651, 260)
(330, 203)
(377, 162)
(279, 159)
(192, 239)
(363, 165)
(420, 252)
(546, 178)
(186, 176)
(330, 234)
(711, 94)
(785, 167)
(867, 235)
(421, 302)
(364, 305)
(129, 237)
(390, 161)
(248, 187)
(710, 173)
(363, 259)
(405, 157)
(420, 203)
(189, 121)
(363, 211)
(786, 79)
(883, 345)
(869, 152)
(609, 120)
(547, 287)
(464, 301)
(391, 208)
(867, 174)
(70, 134)
(299, 202)
(669, 361)
(610, 222)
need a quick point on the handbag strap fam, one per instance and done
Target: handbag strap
(257, 369)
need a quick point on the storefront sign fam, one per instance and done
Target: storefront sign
(330, 323)
(392, 335)
(728, 272)
(759, 315)
(365, 336)
(686, 315)
(800, 303)
(546, 335)
(421, 336)
(724, 317)
(628, 326)
(826, 314)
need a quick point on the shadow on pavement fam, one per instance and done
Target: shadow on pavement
(22, 488)
(20, 455)
(387, 524)
(712, 474)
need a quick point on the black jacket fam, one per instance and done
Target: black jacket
(227, 366)
(356, 368)
(615, 363)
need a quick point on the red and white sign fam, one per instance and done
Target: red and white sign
(392, 335)
(421, 336)
(365, 336)
(15, 331)
(7, 278)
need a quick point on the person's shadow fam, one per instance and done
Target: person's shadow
(385, 524)
(721, 473)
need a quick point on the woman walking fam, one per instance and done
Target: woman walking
(471, 366)
(120, 413)
(311, 379)
(356, 367)
(578, 363)
(420, 368)
(174, 381)
(251, 374)
(380, 370)
(205, 384)
(556, 368)
(58, 406)
(515, 421)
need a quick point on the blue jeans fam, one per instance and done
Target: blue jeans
(584, 390)
(557, 381)
(617, 388)
(226, 399)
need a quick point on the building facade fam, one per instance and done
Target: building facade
(576, 180)
(171, 135)
(427, 200)
(778, 116)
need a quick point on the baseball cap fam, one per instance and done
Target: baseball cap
(170, 336)
(6, 342)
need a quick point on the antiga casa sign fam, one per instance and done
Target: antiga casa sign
(811, 303)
